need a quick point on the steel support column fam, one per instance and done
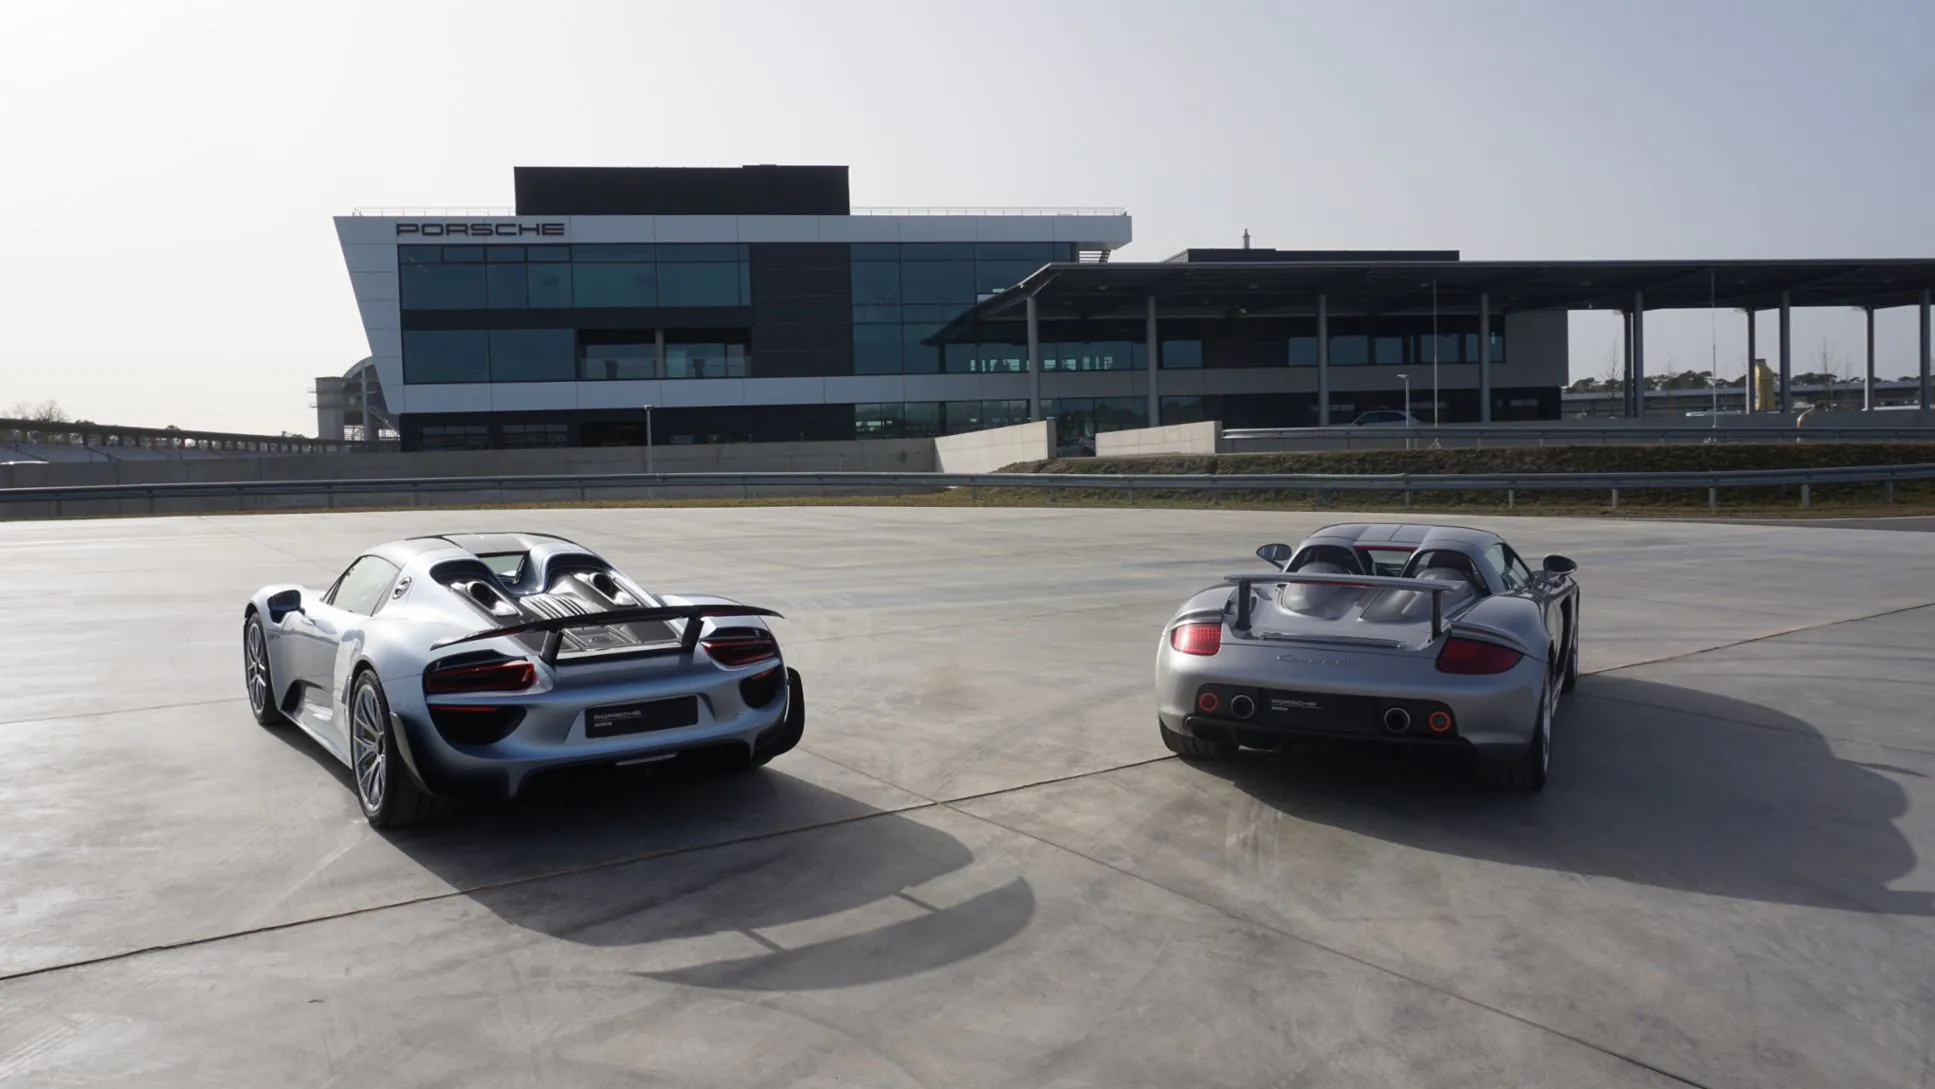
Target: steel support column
(1154, 352)
(1868, 376)
(1925, 350)
(1747, 403)
(1484, 357)
(1625, 363)
(1034, 361)
(1639, 355)
(1323, 362)
(1785, 394)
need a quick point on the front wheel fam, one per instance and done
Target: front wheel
(257, 678)
(389, 797)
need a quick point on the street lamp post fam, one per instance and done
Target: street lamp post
(648, 438)
(1407, 408)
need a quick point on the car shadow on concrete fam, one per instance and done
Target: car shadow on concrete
(1650, 783)
(751, 881)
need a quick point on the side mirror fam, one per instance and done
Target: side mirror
(1275, 554)
(284, 603)
(1559, 565)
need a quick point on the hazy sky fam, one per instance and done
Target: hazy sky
(169, 169)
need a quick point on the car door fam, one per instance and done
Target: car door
(338, 621)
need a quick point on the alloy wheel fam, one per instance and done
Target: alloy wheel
(255, 668)
(368, 747)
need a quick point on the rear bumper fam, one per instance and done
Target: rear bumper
(1297, 693)
(499, 771)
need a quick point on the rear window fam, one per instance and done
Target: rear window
(508, 566)
(1385, 561)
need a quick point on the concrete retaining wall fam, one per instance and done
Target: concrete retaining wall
(987, 451)
(1191, 438)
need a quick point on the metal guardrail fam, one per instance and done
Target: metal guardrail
(1572, 436)
(587, 486)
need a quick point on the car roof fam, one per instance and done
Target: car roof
(1408, 534)
(445, 545)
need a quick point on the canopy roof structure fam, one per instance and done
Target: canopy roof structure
(1253, 287)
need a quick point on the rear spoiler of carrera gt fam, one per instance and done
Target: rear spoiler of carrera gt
(553, 626)
(1437, 588)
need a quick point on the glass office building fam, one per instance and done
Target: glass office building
(755, 304)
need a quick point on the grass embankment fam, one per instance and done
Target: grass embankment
(1909, 497)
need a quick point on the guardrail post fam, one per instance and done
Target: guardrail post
(1407, 497)
(1615, 499)
(1713, 499)
(1806, 496)
(1888, 491)
(1511, 498)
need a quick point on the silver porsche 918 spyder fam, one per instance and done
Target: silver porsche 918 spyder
(458, 666)
(1410, 634)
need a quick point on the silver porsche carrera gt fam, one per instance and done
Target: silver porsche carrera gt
(458, 666)
(1409, 634)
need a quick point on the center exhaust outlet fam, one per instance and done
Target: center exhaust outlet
(1397, 720)
(1242, 706)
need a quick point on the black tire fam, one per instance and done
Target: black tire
(255, 653)
(1572, 656)
(790, 731)
(399, 802)
(1528, 770)
(1196, 748)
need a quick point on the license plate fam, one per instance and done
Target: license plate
(638, 718)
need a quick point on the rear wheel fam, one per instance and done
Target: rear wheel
(390, 798)
(1196, 748)
(1528, 770)
(791, 729)
(257, 677)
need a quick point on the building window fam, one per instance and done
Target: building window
(1109, 355)
(442, 287)
(1180, 410)
(455, 437)
(876, 349)
(615, 284)
(524, 435)
(532, 355)
(705, 361)
(618, 362)
(431, 358)
(1350, 350)
(1303, 351)
(699, 284)
(925, 285)
(1079, 420)
(1178, 355)
(549, 286)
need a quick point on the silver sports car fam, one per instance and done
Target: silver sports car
(1411, 634)
(457, 666)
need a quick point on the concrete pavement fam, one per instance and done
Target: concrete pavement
(982, 868)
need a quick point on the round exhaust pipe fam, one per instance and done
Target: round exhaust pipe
(1397, 720)
(1242, 706)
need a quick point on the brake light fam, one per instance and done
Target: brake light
(512, 675)
(740, 647)
(1475, 656)
(1204, 639)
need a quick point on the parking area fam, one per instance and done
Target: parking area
(982, 868)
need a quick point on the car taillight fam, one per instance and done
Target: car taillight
(737, 647)
(512, 675)
(1475, 656)
(1203, 639)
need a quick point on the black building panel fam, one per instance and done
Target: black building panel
(802, 306)
(744, 190)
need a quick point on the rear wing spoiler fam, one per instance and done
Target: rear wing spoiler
(552, 627)
(1437, 588)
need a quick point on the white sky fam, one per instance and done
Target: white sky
(169, 168)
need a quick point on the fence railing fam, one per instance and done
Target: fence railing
(1258, 438)
(58, 502)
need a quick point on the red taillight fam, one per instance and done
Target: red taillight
(508, 676)
(740, 647)
(1197, 638)
(1474, 656)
